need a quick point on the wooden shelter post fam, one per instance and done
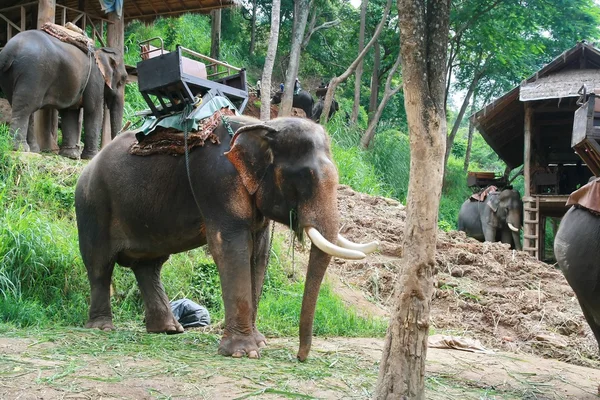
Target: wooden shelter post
(531, 208)
(45, 123)
(115, 38)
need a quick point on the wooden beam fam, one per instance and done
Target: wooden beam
(115, 38)
(46, 121)
(174, 13)
(23, 19)
(528, 129)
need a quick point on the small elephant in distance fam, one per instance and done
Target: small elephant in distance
(39, 71)
(497, 218)
(136, 211)
(303, 100)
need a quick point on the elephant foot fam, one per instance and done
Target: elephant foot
(70, 152)
(237, 345)
(88, 155)
(34, 148)
(169, 326)
(102, 323)
(20, 146)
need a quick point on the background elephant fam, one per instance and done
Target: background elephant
(39, 71)
(318, 109)
(302, 100)
(498, 218)
(577, 250)
(137, 211)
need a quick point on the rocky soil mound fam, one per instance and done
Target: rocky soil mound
(506, 299)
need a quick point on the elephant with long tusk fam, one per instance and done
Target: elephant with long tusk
(498, 217)
(138, 210)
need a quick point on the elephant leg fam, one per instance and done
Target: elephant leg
(489, 233)
(231, 251)
(589, 316)
(159, 317)
(92, 124)
(99, 270)
(34, 147)
(19, 127)
(258, 268)
(70, 134)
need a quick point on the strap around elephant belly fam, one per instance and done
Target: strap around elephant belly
(79, 102)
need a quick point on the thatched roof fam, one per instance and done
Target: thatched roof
(501, 123)
(146, 10)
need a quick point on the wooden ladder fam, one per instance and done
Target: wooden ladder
(531, 223)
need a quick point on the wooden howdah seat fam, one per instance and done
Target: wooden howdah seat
(586, 132)
(170, 80)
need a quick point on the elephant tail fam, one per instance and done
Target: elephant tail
(6, 62)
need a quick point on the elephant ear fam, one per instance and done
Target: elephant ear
(107, 60)
(493, 202)
(251, 153)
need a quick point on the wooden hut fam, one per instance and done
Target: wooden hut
(108, 29)
(532, 124)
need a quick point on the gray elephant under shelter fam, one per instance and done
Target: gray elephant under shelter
(40, 71)
(498, 217)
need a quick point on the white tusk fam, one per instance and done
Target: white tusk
(332, 249)
(365, 248)
(512, 228)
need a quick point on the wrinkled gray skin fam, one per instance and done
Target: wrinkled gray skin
(577, 250)
(136, 211)
(39, 71)
(488, 220)
(302, 100)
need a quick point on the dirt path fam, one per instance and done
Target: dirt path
(79, 365)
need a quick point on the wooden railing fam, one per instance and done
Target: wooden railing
(89, 23)
(11, 27)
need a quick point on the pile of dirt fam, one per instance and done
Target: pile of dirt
(5, 111)
(506, 299)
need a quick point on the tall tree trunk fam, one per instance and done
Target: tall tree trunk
(461, 114)
(375, 80)
(470, 139)
(359, 68)
(265, 93)
(301, 9)
(253, 28)
(215, 33)
(367, 137)
(423, 44)
(334, 83)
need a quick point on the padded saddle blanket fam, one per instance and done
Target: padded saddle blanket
(70, 34)
(165, 140)
(587, 196)
(483, 194)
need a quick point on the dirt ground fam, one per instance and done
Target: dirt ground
(346, 368)
(522, 311)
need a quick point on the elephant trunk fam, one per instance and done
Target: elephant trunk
(115, 107)
(514, 223)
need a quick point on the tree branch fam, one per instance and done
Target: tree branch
(326, 25)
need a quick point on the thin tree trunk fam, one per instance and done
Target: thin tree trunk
(470, 139)
(423, 44)
(359, 68)
(253, 28)
(301, 9)
(265, 93)
(369, 134)
(334, 83)
(215, 33)
(461, 114)
(375, 80)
